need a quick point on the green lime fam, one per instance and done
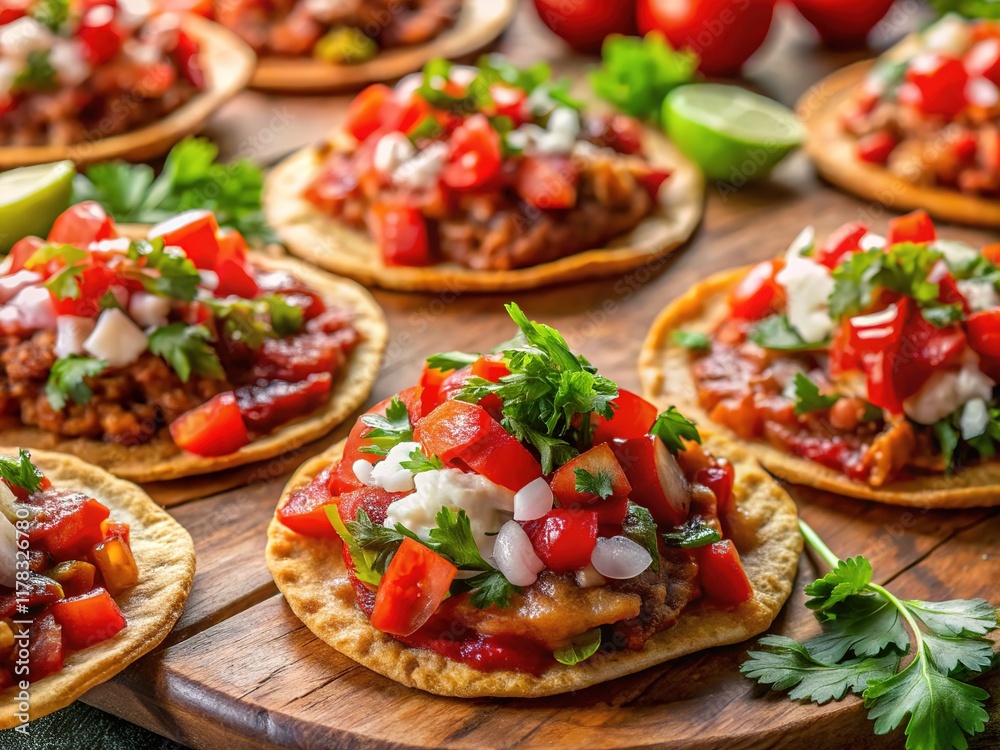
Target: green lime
(31, 198)
(734, 134)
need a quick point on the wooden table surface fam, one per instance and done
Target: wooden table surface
(241, 671)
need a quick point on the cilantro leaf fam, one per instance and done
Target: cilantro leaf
(37, 75)
(808, 398)
(187, 350)
(693, 533)
(163, 271)
(286, 318)
(903, 268)
(387, 431)
(599, 484)
(378, 543)
(491, 588)
(640, 527)
(362, 560)
(67, 378)
(418, 462)
(957, 617)
(775, 332)
(850, 577)
(673, 428)
(581, 649)
(691, 339)
(447, 361)
(952, 654)
(64, 284)
(66, 253)
(21, 472)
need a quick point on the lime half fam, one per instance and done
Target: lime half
(733, 134)
(31, 198)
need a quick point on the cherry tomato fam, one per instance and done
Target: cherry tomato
(195, 232)
(100, 35)
(984, 332)
(413, 587)
(215, 428)
(547, 182)
(400, 231)
(594, 461)
(843, 23)
(564, 538)
(935, 84)
(724, 33)
(475, 155)
(82, 224)
(912, 227)
(722, 576)
(875, 148)
(583, 24)
(633, 416)
(840, 243)
(758, 294)
(368, 111)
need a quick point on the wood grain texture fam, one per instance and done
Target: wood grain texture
(243, 672)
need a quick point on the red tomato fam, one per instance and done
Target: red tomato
(984, 60)
(232, 245)
(475, 155)
(413, 587)
(305, 513)
(875, 148)
(722, 576)
(235, 278)
(881, 368)
(547, 182)
(509, 101)
(935, 84)
(195, 232)
(843, 23)
(88, 619)
(93, 281)
(368, 111)
(23, 249)
(465, 435)
(632, 418)
(984, 332)
(610, 511)
(431, 380)
(758, 294)
(215, 428)
(401, 234)
(82, 224)
(490, 367)
(68, 525)
(880, 330)
(186, 57)
(100, 35)
(564, 538)
(913, 227)
(118, 529)
(720, 480)
(598, 459)
(45, 647)
(583, 24)
(11, 10)
(657, 480)
(840, 243)
(724, 33)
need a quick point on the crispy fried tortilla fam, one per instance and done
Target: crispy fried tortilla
(319, 238)
(666, 376)
(164, 553)
(228, 63)
(310, 573)
(480, 22)
(161, 459)
(832, 150)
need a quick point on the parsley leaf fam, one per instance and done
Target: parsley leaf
(447, 361)
(387, 431)
(378, 543)
(362, 560)
(187, 350)
(599, 484)
(808, 398)
(163, 271)
(673, 428)
(21, 472)
(64, 284)
(418, 462)
(286, 318)
(775, 332)
(67, 378)
(693, 533)
(640, 527)
(252, 321)
(903, 268)
(51, 13)
(581, 649)
(691, 339)
(491, 588)
(37, 75)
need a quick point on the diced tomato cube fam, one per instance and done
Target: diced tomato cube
(758, 294)
(368, 110)
(564, 538)
(67, 524)
(610, 512)
(235, 278)
(595, 461)
(475, 157)
(374, 500)
(298, 357)
(983, 60)
(720, 480)
(841, 243)
(876, 148)
(215, 428)
(119, 529)
(37, 591)
(99, 34)
(88, 619)
(82, 224)
(913, 227)
(94, 281)
(400, 231)
(722, 576)
(935, 84)
(657, 480)
(490, 367)
(984, 332)
(633, 416)
(431, 380)
(413, 587)
(114, 560)
(264, 407)
(23, 249)
(304, 512)
(547, 182)
(45, 647)
(195, 232)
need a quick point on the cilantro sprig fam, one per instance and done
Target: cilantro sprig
(693, 533)
(187, 349)
(163, 271)
(673, 428)
(807, 396)
(389, 430)
(20, 471)
(599, 484)
(68, 380)
(253, 321)
(418, 462)
(958, 443)
(867, 631)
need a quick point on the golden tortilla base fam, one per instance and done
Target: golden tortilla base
(164, 553)
(160, 459)
(319, 238)
(310, 572)
(228, 63)
(665, 370)
(832, 150)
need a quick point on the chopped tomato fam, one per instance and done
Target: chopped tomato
(114, 560)
(564, 538)
(840, 243)
(610, 512)
(99, 35)
(368, 110)
(37, 591)
(75, 577)
(983, 60)
(304, 512)
(431, 380)
(465, 435)
(232, 245)
(875, 148)
(984, 332)
(456, 381)
(597, 461)
(758, 294)
(374, 500)
(401, 234)
(720, 480)
(188, 61)
(194, 232)
(632, 418)
(23, 249)
(45, 647)
(881, 368)
(298, 357)
(82, 224)
(67, 524)
(913, 227)
(879, 330)
(509, 101)
(656, 478)
(475, 155)
(547, 182)
(266, 406)
(652, 179)
(490, 367)
(935, 84)
(413, 587)
(722, 576)
(235, 278)
(215, 428)
(94, 281)
(622, 133)
(88, 619)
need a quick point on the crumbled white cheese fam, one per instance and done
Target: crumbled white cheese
(116, 339)
(149, 309)
(979, 293)
(808, 286)
(975, 417)
(69, 63)
(423, 169)
(21, 37)
(948, 390)
(558, 139)
(363, 471)
(391, 151)
(956, 254)
(71, 332)
(389, 474)
(951, 35)
(871, 241)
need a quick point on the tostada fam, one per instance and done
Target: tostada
(177, 354)
(482, 178)
(518, 525)
(93, 574)
(862, 364)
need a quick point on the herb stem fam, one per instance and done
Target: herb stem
(818, 545)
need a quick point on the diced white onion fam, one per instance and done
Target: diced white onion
(133, 13)
(116, 339)
(514, 555)
(209, 280)
(363, 471)
(148, 309)
(11, 285)
(8, 552)
(589, 577)
(533, 500)
(975, 417)
(979, 293)
(71, 332)
(947, 390)
(871, 241)
(620, 558)
(30, 310)
(808, 286)
(982, 93)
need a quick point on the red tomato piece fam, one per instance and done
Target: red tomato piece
(194, 232)
(984, 332)
(304, 512)
(632, 418)
(879, 330)
(100, 35)
(295, 358)
(215, 428)
(722, 576)
(935, 84)
(67, 524)
(114, 560)
(23, 249)
(720, 480)
(118, 529)
(652, 180)
(547, 182)
(93, 281)
(232, 245)
(841, 243)
(656, 478)
(187, 59)
(758, 294)
(610, 513)
(374, 500)
(88, 619)
(465, 435)
(431, 380)
(991, 252)
(564, 538)
(368, 110)
(235, 278)
(598, 459)
(456, 380)
(912, 227)
(401, 234)
(82, 224)
(583, 24)
(509, 101)
(276, 402)
(38, 591)
(490, 367)
(475, 157)
(45, 647)
(881, 368)
(983, 60)
(413, 587)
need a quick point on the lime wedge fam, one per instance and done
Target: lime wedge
(733, 134)
(31, 198)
